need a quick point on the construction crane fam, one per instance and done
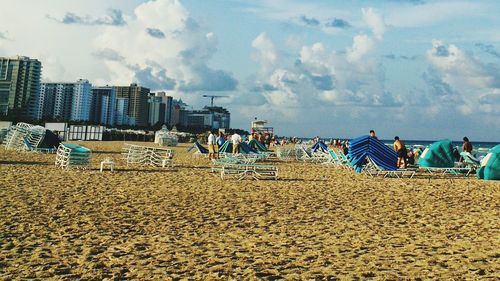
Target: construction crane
(212, 97)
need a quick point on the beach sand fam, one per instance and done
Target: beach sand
(315, 222)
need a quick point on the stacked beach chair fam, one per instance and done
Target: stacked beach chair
(370, 156)
(145, 155)
(24, 136)
(72, 155)
(241, 166)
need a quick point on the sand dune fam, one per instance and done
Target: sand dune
(314, 223)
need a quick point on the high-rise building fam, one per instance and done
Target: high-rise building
(103, 109)
(156, 110)
(121, 116)
(82, 100)
(56, 100)
(221, 118)
(169, 106)
(209, 117)
(177, 107)
(138, 105)
(20, 86)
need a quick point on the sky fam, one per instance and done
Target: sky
(419, 69)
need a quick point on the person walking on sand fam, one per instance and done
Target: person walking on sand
(236, 140)
(400, 149)
(211, 145)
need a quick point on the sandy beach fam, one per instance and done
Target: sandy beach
(316, 222)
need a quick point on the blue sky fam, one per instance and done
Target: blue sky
(419, 69)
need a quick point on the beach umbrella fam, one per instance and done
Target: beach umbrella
(227, 147)
(438, 155)
(490, 165)
(256, 145)
(364, 146)
(247, 149)
(201, 148)
(319, 146)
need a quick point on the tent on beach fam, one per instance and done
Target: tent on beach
(201, 148)
(490, 165)
(257, 146)
(227, 147)
(438, 155)
(319, 146)
(365, 147)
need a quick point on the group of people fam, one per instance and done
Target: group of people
(406, 157)
(340, 145)
(215, 141)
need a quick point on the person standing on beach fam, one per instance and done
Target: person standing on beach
(211, 145)
(236, 140)
(372, 134)
(467, 146)
(400, 149)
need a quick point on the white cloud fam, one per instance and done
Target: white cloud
(265, 53)
(361, 45)
(463, 78)
(165, 48)
(375, 21)
(322, 77)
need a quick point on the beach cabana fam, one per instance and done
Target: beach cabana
(438, 155)
(257, 146)
(319, 147)
(490, 165)
(365, 147)
(164, 137)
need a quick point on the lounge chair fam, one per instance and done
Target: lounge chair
(372, 169)
(334, 159)
(252, 171)
(31, 148)
(72, 155)
(145, 155)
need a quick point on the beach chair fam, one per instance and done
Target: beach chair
(470, 161)
(21, 133)
(283, 154)
(145, 155)
(332, 160)
(72, 155)
(252, 171)
(30, 147)
(454, 171)
(372, 169)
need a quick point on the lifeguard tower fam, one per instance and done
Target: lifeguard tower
(259, 127)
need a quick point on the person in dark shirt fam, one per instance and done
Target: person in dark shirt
(372, 134)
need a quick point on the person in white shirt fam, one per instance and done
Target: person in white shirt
(211, 146)
(236, 140)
